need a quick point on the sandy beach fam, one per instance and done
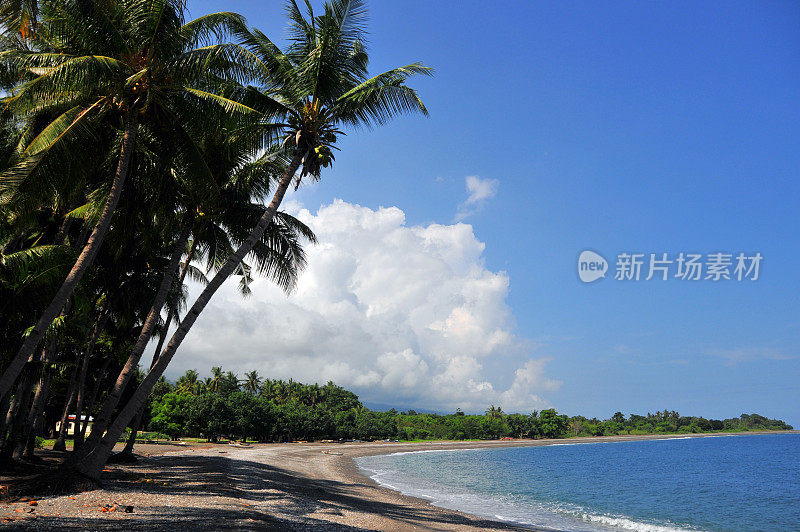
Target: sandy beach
(297, 486)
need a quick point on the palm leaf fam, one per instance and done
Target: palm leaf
(379, 98)
(214, 25)
(230, 106)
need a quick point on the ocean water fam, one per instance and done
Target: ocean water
(726, 483)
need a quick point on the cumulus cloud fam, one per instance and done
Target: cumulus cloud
(480, 191)
(403, 315)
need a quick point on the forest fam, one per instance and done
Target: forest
(222, 406)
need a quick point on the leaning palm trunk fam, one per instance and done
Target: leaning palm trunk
(137, 421)
(5, 407)
(132, 363)
(85, 259)
(38, 418)
(98, 382)
(19, 414)
(60, 443)
(12, 410)
(93, 460)
(127, 452)
(72, 393)
(26, 443)
(77, 438)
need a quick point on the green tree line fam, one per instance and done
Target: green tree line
(252, 408)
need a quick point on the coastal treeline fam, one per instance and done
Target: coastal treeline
(140, 150)
(223, 406)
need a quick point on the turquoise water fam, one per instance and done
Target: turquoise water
(733, 483)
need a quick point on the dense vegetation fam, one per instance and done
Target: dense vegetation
(138, 151)
(223, 406)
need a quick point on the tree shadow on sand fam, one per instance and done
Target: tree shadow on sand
(302, 502)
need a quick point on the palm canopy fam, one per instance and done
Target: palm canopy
(321, 82)
(252, 382)
(20, 15)
(243, 181)
(127, 63)
(97, 63)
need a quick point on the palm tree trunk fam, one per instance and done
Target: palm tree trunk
(72, 393)
(38, 418)
(137, 421)
(77, 440)
(93, 462)
(132, 363)
(25, 445)
(77, 437)
(5, 408)
(171, 312)
(85, 259)
(12, 410)
(101, 375)
(60, 443)
(19, 415)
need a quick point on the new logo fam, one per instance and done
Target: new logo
(591, 266)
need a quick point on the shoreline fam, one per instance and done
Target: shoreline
(349, 467)
(292, 486)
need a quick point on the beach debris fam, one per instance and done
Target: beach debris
(116, 507)
(33, 503)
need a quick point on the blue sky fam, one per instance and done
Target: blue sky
(617, 127)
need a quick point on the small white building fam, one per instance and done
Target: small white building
(71, 424)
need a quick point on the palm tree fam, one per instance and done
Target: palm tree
(318, 85)
(278, 254)
(216, 231)
(252, 382)
(216, 378)
(128, 63)
(187, 383)
(230, 383)
(494, 413)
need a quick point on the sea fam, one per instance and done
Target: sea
(721, 483)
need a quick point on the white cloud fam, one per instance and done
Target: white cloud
(527, 379)
(401, 314)
(480, 191)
